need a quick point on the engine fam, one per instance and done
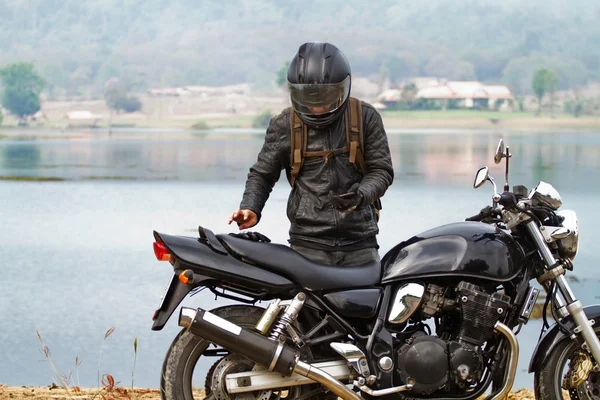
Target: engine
(432, 363)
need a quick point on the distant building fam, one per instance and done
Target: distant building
(82, 117)
(465, 94)
(241, 89)
(203, 91)
(171, 92)
(468, 94)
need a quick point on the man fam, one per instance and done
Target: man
(332, 205)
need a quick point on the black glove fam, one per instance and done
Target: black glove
(348, 201)
(253, 236)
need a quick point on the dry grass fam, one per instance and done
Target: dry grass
(66, 386)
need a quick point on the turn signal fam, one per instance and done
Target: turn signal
(186, 277)
(161, 252)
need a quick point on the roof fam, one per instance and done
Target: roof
(81, 115)
(465, 90)
(390, 95)
(498, 92)
(436, 92)
(166, 91)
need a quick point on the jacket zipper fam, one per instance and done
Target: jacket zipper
(333, 185)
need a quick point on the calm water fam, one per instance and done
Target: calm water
(76, 255)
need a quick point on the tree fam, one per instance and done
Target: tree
(22, 88)
(552, 84)
(117, 98)
(282, 74)
(409, 92)
(544, 81)
(400, 67)
(538, 84)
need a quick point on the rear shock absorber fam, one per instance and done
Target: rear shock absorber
(283, 324)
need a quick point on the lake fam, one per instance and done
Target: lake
(76, 254)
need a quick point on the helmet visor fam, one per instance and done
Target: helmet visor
(318, 99)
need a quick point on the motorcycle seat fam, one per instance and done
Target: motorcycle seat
(291, 264)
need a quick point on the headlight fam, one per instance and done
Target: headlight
(567, 247)
(546, 194)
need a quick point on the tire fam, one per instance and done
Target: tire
(186, 349)
(548, 380)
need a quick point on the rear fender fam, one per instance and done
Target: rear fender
(174, 295)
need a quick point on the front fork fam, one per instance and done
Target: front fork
(566, 301)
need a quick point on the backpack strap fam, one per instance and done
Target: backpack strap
(354, 139)
(354, 134)
(299, 133)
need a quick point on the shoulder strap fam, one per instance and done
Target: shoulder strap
(354, 138)
(354, 133)
(298, 133)
(357, 140)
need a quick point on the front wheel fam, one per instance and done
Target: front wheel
(567, 360)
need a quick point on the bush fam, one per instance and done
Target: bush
(262, 120)
(128, 104)
(200, 125)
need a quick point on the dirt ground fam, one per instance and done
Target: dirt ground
(56, 393)
(40, 393)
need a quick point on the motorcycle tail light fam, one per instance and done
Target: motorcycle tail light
(161, 252)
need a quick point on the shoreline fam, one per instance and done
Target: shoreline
(452, 119)
(56, 393)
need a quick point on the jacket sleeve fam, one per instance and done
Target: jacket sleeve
(267, 169)
(378, 162)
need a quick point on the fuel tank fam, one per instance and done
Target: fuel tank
(462, 249)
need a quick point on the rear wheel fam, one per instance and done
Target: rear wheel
(178, 381)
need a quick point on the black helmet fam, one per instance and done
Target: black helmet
(319, 83)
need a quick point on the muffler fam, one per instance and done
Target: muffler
(275, 356)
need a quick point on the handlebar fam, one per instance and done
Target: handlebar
(507, 199)
(485, 212)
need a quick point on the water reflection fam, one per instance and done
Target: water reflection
(430, 158)
(88, 244)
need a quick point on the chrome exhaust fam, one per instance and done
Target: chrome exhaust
(269, 353)
(513, 358)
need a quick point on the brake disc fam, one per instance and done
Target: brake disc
(232, 364)
(581, 382)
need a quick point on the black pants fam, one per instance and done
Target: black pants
(348, 258)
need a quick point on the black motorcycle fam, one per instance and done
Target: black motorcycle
(437, 318)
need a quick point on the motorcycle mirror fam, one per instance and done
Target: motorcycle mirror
(482, 175)
(499, 152)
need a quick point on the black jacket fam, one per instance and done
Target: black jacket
(313, 219)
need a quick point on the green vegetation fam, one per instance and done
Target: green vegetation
(78, 46)
(262, 120)
(282, 74)
(117, 97)
(31, 178)
(544, 82)
(200, 125)
(22, 88)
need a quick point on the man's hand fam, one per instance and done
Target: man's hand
(348, 201)
(244, 218)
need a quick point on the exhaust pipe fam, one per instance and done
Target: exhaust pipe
(511, 366)
(273, 355)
